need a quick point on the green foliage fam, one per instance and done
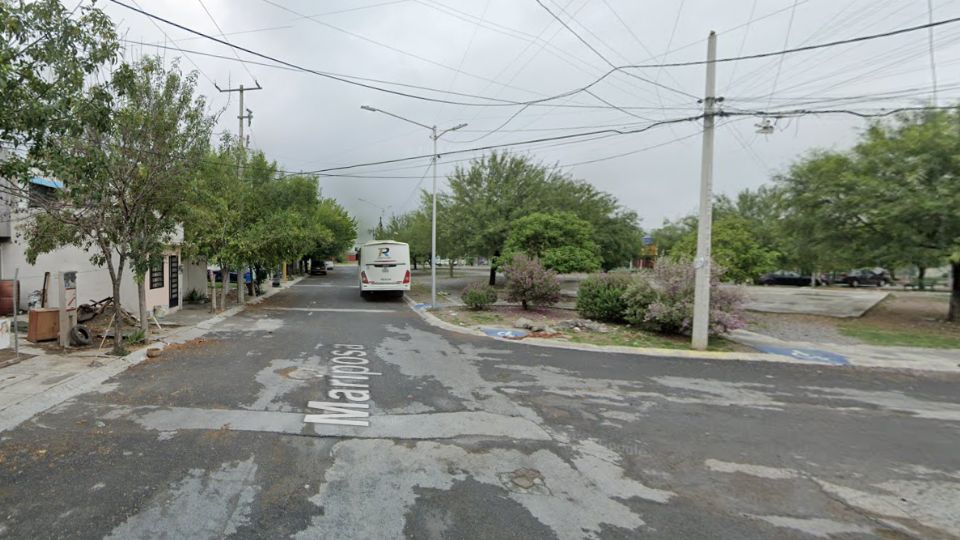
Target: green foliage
(137, 336)
(600, 296)
(892, 199)
(561, 240)
(261, 218)
(735, 247)
(568, 259)
(478, 295)
(662, 299)
(489, 197)
(47, 54)
(124, 170)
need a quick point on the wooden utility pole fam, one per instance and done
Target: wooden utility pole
(243, 150)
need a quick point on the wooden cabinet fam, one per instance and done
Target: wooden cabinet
(44, 324)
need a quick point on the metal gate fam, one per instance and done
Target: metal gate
(174, 281)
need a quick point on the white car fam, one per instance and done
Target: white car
(328, 265)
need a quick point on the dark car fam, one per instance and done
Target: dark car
(784, 277)
(866, 276)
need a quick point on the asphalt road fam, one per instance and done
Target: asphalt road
(473, 438)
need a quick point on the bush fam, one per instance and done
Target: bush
(662, 299)
(528, 282)
(600, 296)
(478, 295)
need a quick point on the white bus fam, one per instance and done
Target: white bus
(384, 266)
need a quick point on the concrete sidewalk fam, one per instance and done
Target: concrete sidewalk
(853, 355)
(46, 380)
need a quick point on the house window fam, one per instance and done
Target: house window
(39, 195)
(156, 275)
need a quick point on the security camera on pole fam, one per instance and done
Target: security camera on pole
(433, 227)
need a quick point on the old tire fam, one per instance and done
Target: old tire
(80, 335)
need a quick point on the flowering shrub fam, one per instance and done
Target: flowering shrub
(662, 299)
(600, 296)
(478, 295)
(528, 282)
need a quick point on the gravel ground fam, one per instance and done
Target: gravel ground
(798, 328)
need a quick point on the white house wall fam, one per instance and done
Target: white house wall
(93, 282)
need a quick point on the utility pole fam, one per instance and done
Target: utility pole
(433, 226)
(241, 283)
(433, 229)
(701, 298)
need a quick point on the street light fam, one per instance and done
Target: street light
(433, 228)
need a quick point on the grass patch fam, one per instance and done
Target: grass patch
(623, 336)
(900, 338)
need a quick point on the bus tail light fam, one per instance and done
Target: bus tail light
(363, 277)
(406, 278)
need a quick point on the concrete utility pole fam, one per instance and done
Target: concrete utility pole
(701, 298)
(243, 149)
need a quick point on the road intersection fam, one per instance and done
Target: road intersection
(448, 435)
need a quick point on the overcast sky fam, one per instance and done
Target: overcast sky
(514, 50)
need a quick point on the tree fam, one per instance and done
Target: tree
(735, 248)
(562, 241)
(123, 177)
(46, 55)
(489, 196)
(617, 232)
(496, 190)
(893, 197)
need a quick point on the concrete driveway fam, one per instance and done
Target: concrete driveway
(844, 303)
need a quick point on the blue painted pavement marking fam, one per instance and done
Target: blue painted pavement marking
(504, 333)
(807, 354)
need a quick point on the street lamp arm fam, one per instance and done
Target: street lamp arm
(448, 130)
(397, 116)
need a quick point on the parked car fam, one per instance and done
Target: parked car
(785, 277)
(317, 268)
(877, 277)
(328, 265)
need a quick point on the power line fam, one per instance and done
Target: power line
(392, 48)
(308, 70)
(185, 55)
(786, 41)
(799, 49)
(224, 36)
(502, 103)
(515, 143)
(604, 58)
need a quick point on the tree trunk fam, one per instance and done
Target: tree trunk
(116, 274)
(954, 314)
(142, 304)
(213, 291)
(224, 284)
(241, 284)
(414, 259)
(451, 267)
(921, 274)
(493, 268)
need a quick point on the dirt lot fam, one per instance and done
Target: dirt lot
(903, 318)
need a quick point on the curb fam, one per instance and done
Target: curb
(435, 321)
(88, 381)
(855, 362)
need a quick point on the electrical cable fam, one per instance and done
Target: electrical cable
(564, 94)
(224, 36)
(604, 58)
